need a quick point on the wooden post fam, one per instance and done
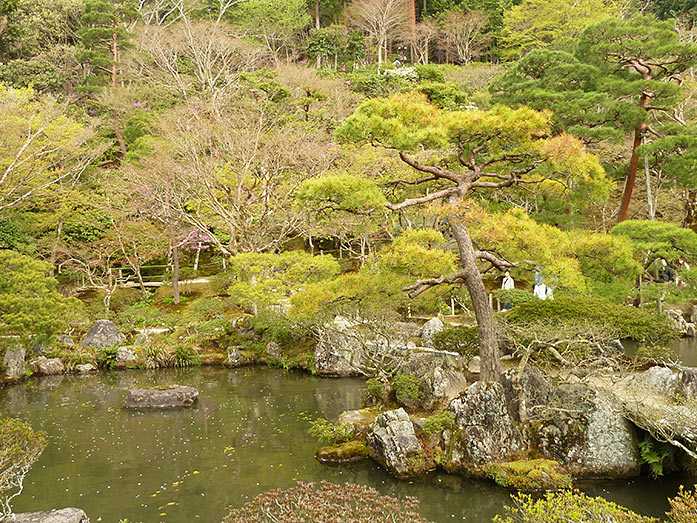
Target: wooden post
(491, 301)
(498, 304)
(452, 306)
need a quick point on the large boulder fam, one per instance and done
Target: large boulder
(586, 432)
(13, 364)
(359, 420)
(678, 321)
(235, 358)
(85, 368)
(440, 374)
(484, 430)
(174, 396)
(395, 445)
(661, 401)
(125, 358)
(103, 334)
(430, 328)
(66, 515)
(273, 351)
(64, 339)
(47, 366)
(339, 352)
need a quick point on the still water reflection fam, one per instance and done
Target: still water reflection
(247, 435)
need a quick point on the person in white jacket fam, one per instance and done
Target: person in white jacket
(507, 284)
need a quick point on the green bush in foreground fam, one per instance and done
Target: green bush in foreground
(327, 502)
(568, 506)
(20, 447)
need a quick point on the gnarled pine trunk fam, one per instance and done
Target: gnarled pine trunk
(488, 343)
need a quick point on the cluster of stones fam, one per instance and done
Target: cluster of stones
(576, 430)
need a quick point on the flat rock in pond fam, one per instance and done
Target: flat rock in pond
(66, 515)
(175, 396)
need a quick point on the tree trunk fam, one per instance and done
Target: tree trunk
(317, 26)
(488, 343)
(114, 76)
(634, 163)
(690, 219)
(412, 27)
(175, 265)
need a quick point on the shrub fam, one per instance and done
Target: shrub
(656, 354)
(20, 447)
(463, 340)
(444, 95)
(326, 502)
(106, 357)
(325, 430)
(407, 389)
(567, 506)
(628, 322)
(186, 356)
(683, 507)
(438, 422)
(513, 296)
(430, 72)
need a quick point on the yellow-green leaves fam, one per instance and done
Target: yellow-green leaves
(346, 192)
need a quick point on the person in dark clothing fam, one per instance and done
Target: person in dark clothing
(665, 272)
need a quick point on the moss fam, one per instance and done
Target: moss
(213, 358)
(438, 423)
(348, 452)
(529, 475)
(407, 389)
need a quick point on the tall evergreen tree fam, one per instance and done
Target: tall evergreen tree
(104, 36)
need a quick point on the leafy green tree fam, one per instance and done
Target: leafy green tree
(32, 307)
(276, 23)
(471, 151)
(653, 240)
(42, 145)
(105, 35)
(264, 279)
(541, 23)
(623, 75)
(20, 447)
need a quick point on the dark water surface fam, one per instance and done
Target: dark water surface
(247, 435)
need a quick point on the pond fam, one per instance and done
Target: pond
(247, 435)
(685, 349)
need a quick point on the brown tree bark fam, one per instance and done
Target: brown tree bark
(488, 342)
(690, 202)
(114, 77)
(634, 162)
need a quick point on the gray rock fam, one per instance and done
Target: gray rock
(474, 366)
(360, 420)
(405, 330)
(84, 368)
(690, 333)
(103, 334)
(688, 382)
(13, 363)
(484, 429)
(677, 321)
(273, 351)
(47, 366)
(66, 515)
(339, 352)
(235, 358)
(64, 339)
(395, 445)
(124, 357)
(441, 375)
(659, 380)
(142, 339)
(431, 327)
(586, 433)
(176, 396)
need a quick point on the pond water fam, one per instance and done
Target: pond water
(247, 435)
(685, 348)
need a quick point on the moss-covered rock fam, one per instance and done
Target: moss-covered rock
(348, 452)
(529, 475)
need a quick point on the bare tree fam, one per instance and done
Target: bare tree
(462, 33)
(382, 19)
(39, 146)
(424, 34)
(216, 57)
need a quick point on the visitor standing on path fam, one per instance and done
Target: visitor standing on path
(507, 285)
(540, 290)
